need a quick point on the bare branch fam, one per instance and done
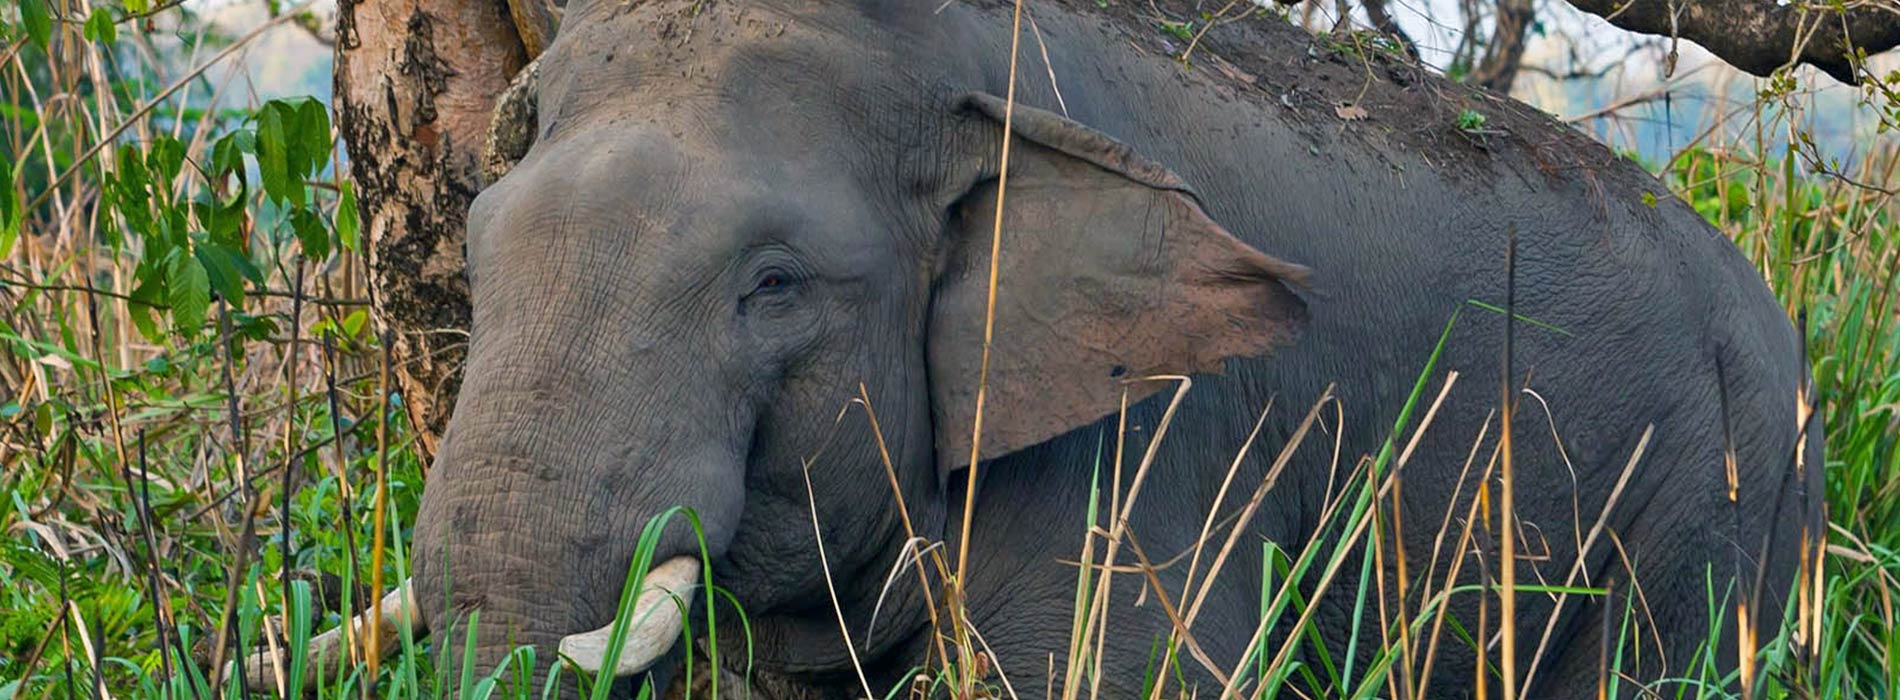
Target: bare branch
(1382, 21)
(1506, 51)
(1761, 36)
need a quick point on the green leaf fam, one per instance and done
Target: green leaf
(10, 210)
(148, 292)
(353, 323)
(222, 271)
(188, 290)
(138, 6)
(273, 156)
(38, 20)
(101, 28)
(132, 173)
(313, 124)
(223, 222)
(227, 156)
(254, 327)
(43, 419)
(311, 233)
(165, 156)
(348, 227)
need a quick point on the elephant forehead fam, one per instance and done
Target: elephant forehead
(633, 208)
(747, 75)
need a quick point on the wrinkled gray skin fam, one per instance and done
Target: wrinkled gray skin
(735, 214)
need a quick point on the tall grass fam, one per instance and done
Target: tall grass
(200, 442)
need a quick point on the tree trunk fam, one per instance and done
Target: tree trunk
(415, 84)
(1505, 54)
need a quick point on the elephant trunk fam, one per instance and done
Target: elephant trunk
(534, 509)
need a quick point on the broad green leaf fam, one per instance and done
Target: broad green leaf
(353, 323)
(108, 230)
(273, 156)
(165, 156)
(311, 233)
(147, 322)
(100, 27)
(227, 156)
(254, 327)
(313, 124)
(223, 222)
(145, 300)
(38, 20)
(133, 178)
(138, 6)
(188, 290)
(221, 270)
(348, 227)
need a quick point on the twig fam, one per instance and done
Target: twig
(142, 510)
(903, 512)
(267, 471)
(347, 496)
(824, 566)
(239, 448)
(376, 516)
(295, 296)
(290, 442)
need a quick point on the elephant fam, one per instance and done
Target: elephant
(742, 223)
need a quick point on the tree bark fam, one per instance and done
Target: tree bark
(1761, 36)
(415, 84)
(1505, 54)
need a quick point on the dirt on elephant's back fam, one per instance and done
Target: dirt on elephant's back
(1352, 88)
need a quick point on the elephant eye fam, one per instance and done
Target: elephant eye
(772, 281)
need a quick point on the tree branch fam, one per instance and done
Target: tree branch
(1760, 36)
(1382, 21)
(1506, 52)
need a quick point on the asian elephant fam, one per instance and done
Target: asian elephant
(736, 216)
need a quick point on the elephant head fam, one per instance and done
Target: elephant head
(723, 232)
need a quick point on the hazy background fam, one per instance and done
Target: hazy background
(1575, 66)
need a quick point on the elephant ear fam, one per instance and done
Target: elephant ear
(1110, 271)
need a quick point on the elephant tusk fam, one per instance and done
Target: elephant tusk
(655, 625)
(398, 610)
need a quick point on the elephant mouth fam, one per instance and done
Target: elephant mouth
(654, 625)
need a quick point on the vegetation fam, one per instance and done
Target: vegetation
(198, 427)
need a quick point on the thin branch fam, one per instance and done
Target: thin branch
(1761, 36)
(1505, 54)
(1383, 22)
